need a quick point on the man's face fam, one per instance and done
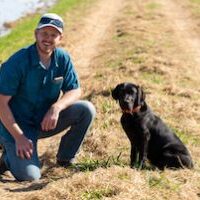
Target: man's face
(47, 39)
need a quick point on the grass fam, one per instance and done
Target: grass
(195, 8)
(153, 6)
(195, 1)
(134, 52)
(152, 77)
(88, 164)
(98, 194)
(162, 182)
(23, 30)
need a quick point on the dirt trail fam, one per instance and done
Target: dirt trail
(94, 31)
(183, 26)
(87, 39)
(97, 23)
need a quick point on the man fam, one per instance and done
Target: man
(39, 97)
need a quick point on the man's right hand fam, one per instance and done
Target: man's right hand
(24, 147)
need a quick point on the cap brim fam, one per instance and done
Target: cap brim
(51, 25)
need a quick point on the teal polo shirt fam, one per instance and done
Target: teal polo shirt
(32, 87)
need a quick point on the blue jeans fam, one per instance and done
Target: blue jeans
(78, 117)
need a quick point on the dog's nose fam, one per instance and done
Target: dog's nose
(127, 99)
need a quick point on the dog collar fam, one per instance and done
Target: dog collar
(134, 110)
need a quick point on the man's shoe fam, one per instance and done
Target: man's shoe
(65, 163)
(3, 167)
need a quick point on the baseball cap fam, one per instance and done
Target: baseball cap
(53, 20)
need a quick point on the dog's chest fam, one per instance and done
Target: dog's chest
(137, 122)
(137, 126)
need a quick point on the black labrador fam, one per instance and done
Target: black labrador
(149, 136)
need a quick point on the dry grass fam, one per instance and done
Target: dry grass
(141, 47)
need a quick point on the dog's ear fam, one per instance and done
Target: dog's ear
(115, 92)
(141, 96)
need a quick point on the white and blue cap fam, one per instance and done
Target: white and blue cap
(53, 20)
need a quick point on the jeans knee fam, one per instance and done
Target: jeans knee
(89, 109)
(30, 173)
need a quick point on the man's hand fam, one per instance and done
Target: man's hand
(24, 147)
(50, 120)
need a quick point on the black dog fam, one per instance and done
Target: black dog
(148, 134)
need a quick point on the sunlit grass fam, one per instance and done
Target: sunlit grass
(153, 77)
(96, 194)
(195, 1)
(22, 33)
(153, 5)
(162, 182)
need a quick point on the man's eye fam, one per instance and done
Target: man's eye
(44, 34)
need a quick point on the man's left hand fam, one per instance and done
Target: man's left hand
(50, 120)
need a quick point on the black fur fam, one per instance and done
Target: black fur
(149, 136)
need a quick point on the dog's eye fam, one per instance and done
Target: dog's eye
(131, 91)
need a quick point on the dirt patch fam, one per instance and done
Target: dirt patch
(93, 32)
(185, 30)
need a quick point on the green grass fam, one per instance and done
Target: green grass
(153, 6)
(186, 137)
(23, 32)
(152, 77)
(195, 6)
(88, 164)
(114, 64)
(162, 182)
(195, 1)
(98, 193)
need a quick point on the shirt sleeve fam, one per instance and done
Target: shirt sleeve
(71, 80)
(9, 77)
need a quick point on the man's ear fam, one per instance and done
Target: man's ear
(141, 95)
(115, 92)
(61, 36)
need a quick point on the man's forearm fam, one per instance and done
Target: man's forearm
(67, 99)
(50, 119)
(7, 118)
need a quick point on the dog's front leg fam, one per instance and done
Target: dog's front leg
(143, 148)
(133, 154)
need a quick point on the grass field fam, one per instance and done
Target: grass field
(144, 47)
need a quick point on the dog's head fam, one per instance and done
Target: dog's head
(130, 96)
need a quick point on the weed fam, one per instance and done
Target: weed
(89, 164)
(152, 77)
(96, 194)
(153, 6)
(186, 137)
(162, 182)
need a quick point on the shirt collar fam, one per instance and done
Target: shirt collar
(54, 58)
(34, 56)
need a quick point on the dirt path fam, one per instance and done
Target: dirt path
(97, 23)
(93, 33)
(184, 28)
(87, 39)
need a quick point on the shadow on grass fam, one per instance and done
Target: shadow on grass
(91, 165)
(32, 187)
(49, 176)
